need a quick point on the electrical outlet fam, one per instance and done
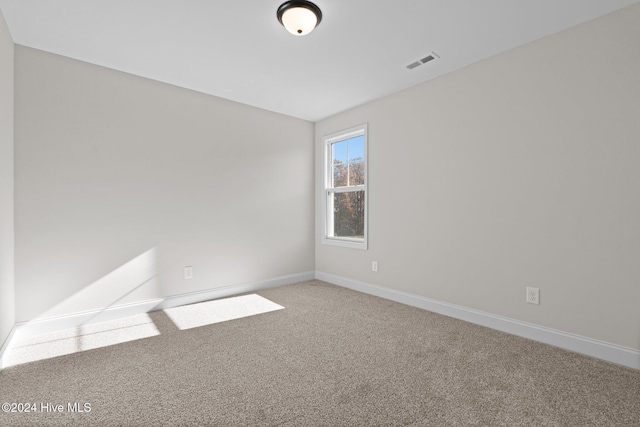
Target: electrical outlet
(533, 295)
(374, 266)
(188, 272)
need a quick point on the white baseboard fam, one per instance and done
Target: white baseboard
(590, 347)
(56, 323)
(602, 350)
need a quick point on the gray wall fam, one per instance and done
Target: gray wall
(7, 312)
(122, 181)
(522, 170)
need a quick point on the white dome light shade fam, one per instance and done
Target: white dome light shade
(299, 17)
(299, 21)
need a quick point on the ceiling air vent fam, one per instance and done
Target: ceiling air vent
(424, 60)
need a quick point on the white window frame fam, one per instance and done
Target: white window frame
(327, 237)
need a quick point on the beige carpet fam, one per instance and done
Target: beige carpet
(331, 357)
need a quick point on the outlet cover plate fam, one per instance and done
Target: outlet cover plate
(533, 295)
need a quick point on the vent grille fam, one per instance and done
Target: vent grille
(427, 59)
(424, 60)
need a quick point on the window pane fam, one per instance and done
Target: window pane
(348, 214)
(356, 160)
(340, 161)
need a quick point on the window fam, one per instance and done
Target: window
(346, 188)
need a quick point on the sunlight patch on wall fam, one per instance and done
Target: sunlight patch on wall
(209, 312)
(86, 337)
(138, 275)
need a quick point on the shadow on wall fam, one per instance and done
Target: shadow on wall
(57, 333)
(139, 275)
(43, 338)
(98, 328)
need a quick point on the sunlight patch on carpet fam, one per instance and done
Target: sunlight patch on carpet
(86, 337)
(207, 313)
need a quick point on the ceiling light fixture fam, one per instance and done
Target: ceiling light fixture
(299, 17)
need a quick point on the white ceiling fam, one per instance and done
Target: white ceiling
(236, 49)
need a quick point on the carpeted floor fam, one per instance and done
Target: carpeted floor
(331, 357)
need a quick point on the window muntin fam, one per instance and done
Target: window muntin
(346, 187)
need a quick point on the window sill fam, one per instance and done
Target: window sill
(345, 243)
